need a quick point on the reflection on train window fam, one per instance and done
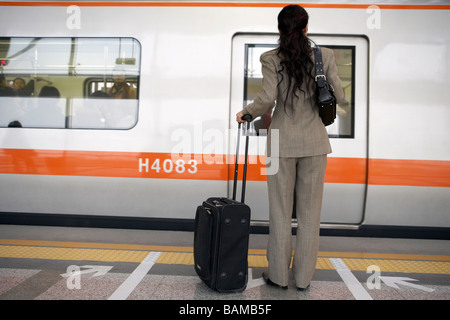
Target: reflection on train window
(71, 83)
(343, 127)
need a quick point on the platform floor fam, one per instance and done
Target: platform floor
(61, 263)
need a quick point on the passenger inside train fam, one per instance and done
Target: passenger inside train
(121, 89)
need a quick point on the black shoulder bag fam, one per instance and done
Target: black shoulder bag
(324, 92)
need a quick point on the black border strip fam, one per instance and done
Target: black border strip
(93, 221)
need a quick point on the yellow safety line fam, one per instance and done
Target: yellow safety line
(186, 258)
(365, 255)
(52, 253)
(404, 266)
(65, 244)
(117, 246)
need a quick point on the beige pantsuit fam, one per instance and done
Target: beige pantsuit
(302, 178)
(303, 147)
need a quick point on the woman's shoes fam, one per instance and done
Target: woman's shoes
(303, 289)
(269, 282)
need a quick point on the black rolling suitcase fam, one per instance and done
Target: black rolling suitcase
(221, 238)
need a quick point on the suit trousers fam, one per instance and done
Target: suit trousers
(302, 178)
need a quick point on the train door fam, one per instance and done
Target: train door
(346, 176)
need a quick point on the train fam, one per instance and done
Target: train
(122, 113)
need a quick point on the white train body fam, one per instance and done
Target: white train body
(390, 164)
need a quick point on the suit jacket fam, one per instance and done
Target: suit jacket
(301, 131)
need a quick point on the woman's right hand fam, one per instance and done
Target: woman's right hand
(239, 116)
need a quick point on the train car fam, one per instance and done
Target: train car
(122, 113)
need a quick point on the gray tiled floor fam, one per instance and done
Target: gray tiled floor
(41, 279)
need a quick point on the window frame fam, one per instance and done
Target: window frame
(64, 73)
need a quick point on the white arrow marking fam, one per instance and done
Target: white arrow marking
(97, 270)
(395, 281)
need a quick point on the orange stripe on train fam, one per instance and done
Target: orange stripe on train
(218, 4)
(214, 167)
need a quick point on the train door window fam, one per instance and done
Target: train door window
(344, 55)
(70, 83)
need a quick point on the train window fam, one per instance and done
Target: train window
(70, 83)
(345, 57)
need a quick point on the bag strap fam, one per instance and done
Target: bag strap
(319, 64)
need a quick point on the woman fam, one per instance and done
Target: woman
(288, 79)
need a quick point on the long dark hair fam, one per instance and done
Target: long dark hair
(295, 49)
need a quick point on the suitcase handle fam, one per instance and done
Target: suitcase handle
(247, 118)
